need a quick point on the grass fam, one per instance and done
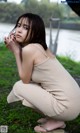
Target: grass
(19, 118)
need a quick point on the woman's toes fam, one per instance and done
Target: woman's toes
(39, 129)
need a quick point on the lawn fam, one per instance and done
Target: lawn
(17, 117)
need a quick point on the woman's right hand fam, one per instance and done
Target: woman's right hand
(11, 44)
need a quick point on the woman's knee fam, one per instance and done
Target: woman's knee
(17, 87)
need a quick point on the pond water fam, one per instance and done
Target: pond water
(68, 40)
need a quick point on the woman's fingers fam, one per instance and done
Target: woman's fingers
(5, 41)
(12, 36)
(8, 42)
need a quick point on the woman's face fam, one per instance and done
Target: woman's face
(21, 30)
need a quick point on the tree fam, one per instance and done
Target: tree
(45, 1)
(4, 0)
(7, 14)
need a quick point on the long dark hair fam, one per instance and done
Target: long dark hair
(37, 29)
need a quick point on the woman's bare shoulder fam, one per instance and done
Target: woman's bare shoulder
(29, 48)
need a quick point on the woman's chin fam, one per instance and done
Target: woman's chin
(19, 41)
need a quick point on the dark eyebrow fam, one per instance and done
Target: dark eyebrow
(18, 23)
(23, 24)
(26, 25)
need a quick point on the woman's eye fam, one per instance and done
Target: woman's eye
(26, 27)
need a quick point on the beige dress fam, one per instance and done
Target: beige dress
(52, 91)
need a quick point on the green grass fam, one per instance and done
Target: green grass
(19, 118)
(72, 66)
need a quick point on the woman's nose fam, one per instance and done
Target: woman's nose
(20, 29)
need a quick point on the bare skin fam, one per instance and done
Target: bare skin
(49, 125)
(42, 120)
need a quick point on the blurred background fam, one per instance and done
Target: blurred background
(64, 30)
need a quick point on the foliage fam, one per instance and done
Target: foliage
(21, 119)
(17, 117)
(45, 10)
(7, 69)
(7, 14)
(69, 63)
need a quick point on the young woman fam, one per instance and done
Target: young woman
(45, 85)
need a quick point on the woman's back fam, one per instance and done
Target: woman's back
(53, 77)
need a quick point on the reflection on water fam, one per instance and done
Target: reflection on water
(68, 41)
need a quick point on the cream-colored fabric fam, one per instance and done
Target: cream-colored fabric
(58, 82)
(53, 91)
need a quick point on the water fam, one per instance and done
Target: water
(5, 30)
(68, 41)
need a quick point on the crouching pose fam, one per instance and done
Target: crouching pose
(44, 83)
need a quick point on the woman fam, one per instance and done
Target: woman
(45, 85)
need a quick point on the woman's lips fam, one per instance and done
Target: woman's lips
(18, 36)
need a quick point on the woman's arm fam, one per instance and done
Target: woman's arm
(24, 65)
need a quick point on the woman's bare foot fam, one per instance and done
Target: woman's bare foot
(42, 120)
(40, 129)
(49, 126)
